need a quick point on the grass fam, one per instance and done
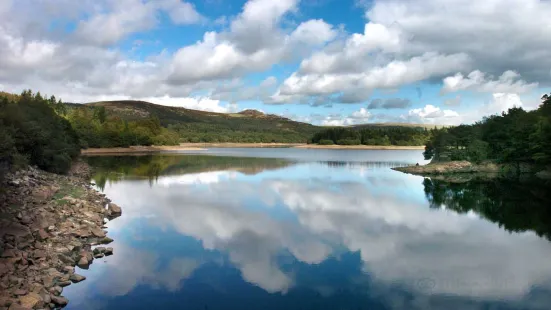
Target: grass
(68, 190)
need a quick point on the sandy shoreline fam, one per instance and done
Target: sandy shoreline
(204, 146)
(360, 147)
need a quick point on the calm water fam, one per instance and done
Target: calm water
(314, 229)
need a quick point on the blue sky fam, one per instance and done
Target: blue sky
(328, 62)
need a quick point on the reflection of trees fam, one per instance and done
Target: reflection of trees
(516, 206)
(350, 164)
(116, 168)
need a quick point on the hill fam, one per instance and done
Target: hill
(202, 126)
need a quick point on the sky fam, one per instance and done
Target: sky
(325, 62)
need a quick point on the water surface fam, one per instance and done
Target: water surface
(314, 229)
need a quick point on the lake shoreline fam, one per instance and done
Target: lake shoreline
(49, 225)
(457, 168)
(204, 146)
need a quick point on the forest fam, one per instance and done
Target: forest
(49, 134)
(405, 136)
(516, 136)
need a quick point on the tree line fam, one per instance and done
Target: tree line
(48, 133)
(404, 136)
(515, 136)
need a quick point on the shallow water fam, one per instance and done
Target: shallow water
(314, 229)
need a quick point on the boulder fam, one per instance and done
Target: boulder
(98, 255)
(69, 269)
(59, 300)
(99, 250)
(105, 240)
(9, 253)
(64, 283)
(30, 300)
(15, 306)
(114, 210)
(75, 278)
(108, 251)
(20, 292)
(83, 262)
(98, 232)
(56, 290)
(42, 234)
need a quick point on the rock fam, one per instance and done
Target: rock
(15, 306)
(39, 254)
(48, 281)
(5, 302)
(46, 298)
(108, 251)
(64, 283)
(20, 292)
(83, 262)
(98, 232)
(105, 240)
(114, 210)
(30, 300)
(26, 220)
(99, 249)
(75, 278)
(59, 300)
(69, 269)
(66, 259)
(9, 253)
(98, 255)
(56, 290)
(51, 228)
(42, 234)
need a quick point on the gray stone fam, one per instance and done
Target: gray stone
(42, 234)
(20, 292)
(69, 269)
(59, 300)
(83, 262)
(108, 251)
(98, 255)
(56, 290)
(99, 249)
(75, 278)
(64, 283)
(105, 240)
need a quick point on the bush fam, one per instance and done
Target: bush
(349, 142)
(326, 142)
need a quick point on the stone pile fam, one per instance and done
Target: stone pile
(48, 224)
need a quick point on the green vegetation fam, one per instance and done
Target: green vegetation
(31, 132)
(199, 126)
(373, 135)
(98, 128)
(515, 136)
(515, 205)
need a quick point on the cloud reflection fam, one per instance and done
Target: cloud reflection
(401, 240)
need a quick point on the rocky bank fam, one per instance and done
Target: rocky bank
(49, 224)
(465, 167)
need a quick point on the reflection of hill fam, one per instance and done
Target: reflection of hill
(516, 206)
(371, 164)
(115, 168)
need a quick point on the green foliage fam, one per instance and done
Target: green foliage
(326, 142)
(96, 128)
(199, 126)
(392, 135)
(32, 131)
(515, 136)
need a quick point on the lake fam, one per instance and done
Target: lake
(314, 229)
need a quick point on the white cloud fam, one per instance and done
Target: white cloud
(430, 114)
(394, 74)
(509, 81)
(357, 117)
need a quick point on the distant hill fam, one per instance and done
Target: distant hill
(409, 125)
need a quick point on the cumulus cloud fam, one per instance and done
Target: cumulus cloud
(509, 81)
(430, 114)
(393, 74)
(357, 117)
(391, 103)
